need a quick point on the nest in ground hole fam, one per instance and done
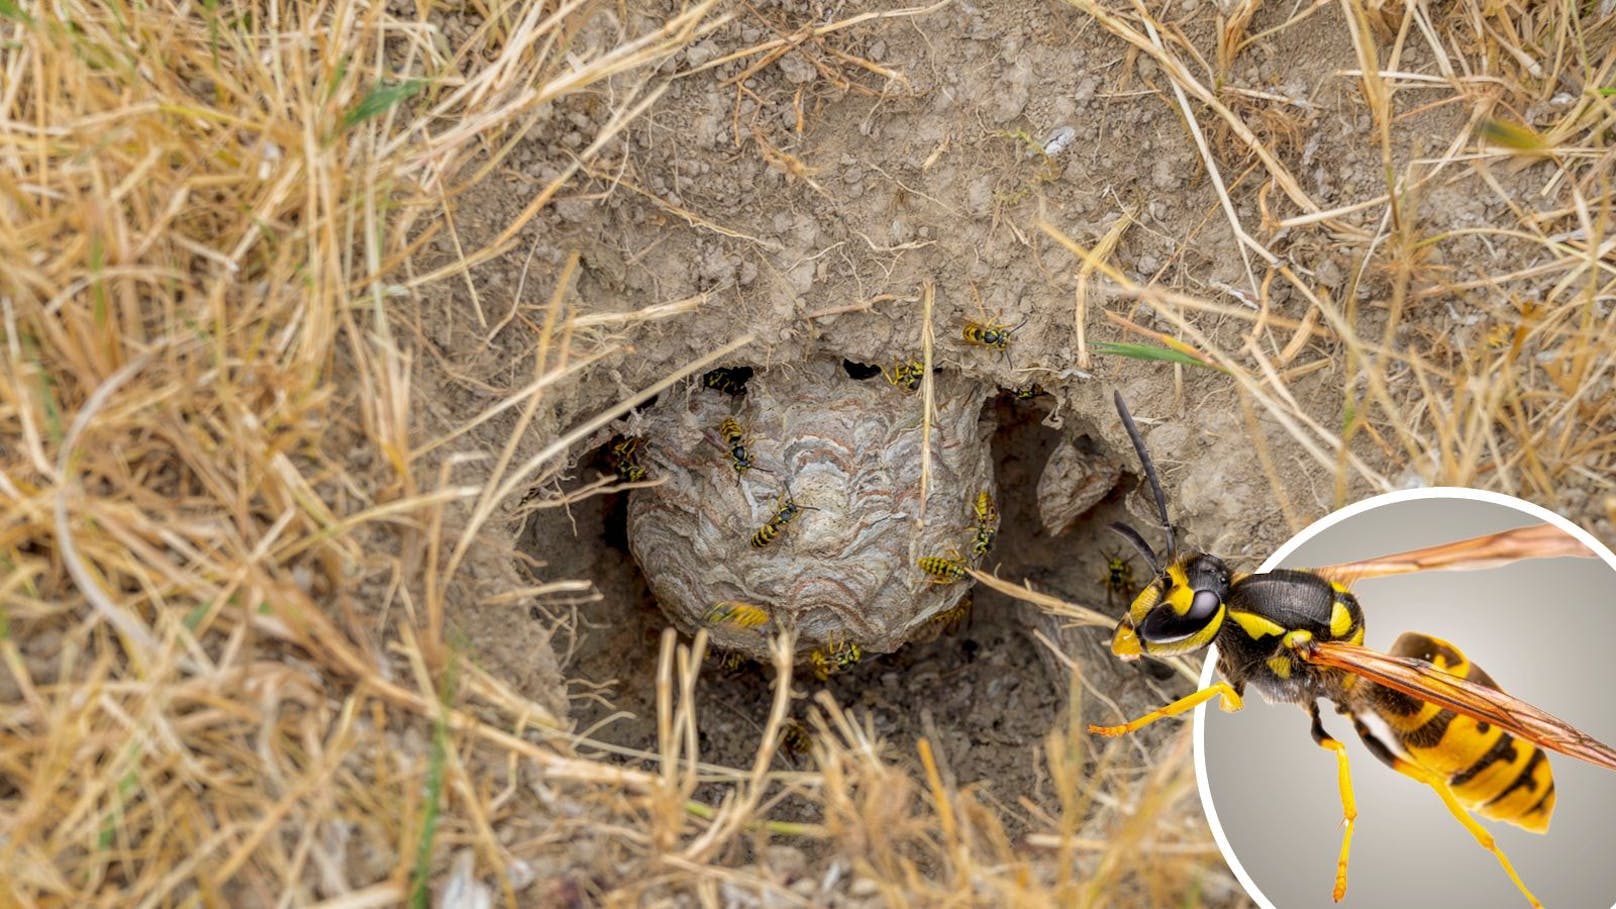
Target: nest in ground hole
(844, 568)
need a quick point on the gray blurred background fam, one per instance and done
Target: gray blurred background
(1545, 630)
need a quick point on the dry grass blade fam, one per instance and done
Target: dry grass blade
(1185, 80)
(1079, 615)
(186, 529)
(257, 484)
(1272, 393)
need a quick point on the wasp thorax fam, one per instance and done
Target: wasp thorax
(821, 534)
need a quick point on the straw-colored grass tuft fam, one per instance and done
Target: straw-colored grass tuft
(215, 507)
(234, 535)
(1492, 373)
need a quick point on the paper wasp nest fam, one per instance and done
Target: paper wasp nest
(844, 568)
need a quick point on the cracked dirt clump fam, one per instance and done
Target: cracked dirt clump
(723, 549)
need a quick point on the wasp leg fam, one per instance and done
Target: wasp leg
(1349, 804)
(1231, 702)
(1436, 782)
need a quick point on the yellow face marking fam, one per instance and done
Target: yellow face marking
(1180, 598)
(1152, 594)
(1125, 643)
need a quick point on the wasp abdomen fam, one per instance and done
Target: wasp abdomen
(1491, 772)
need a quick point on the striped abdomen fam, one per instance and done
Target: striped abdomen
(1492, 773)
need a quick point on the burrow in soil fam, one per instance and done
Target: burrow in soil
(985, 694)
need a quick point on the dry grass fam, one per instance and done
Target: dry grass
(1511, 390)
(213, 487)
(228, 547)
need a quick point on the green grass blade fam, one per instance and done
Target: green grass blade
(1150, 352)
(380, 100)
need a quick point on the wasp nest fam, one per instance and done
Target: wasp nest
(796, 504)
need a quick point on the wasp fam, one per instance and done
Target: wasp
(740, 456)
(989, 334)
(730, 380)
(941, 569)
(795, 739)
(987, 525)
(835, 656)
(1297, 637)
(1118, 579)
(624, 458)
(736, 615)
(730, 660)
(785, 511)
(906, 376)
(946, 621)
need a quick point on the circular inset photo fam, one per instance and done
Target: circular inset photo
(1511, 617)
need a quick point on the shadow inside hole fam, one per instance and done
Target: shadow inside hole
(860, 371)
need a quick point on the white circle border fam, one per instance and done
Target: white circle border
(1210, 668)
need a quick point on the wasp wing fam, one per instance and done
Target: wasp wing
(1420, 679)
(1538, 541)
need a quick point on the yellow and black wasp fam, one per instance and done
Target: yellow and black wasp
(728, 661)
(989, 334)
(906, 376)
(730, 380)
(835, 656)
(736, 614)
(985, 516)
(947, 621)
(785, 511)
(1118, 579)
(735, 439)
(796, 740)
(1297, 637)
(943, 569)
(624, 458)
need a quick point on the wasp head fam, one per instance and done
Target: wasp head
(1181, 610)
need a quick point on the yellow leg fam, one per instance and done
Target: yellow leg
(1349, 804)
(1436, 782)
(1231, 702)
(1479, 832)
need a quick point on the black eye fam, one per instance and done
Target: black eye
(1164, 626)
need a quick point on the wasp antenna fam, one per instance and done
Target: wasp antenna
(1132, 536)
(1150, 474)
